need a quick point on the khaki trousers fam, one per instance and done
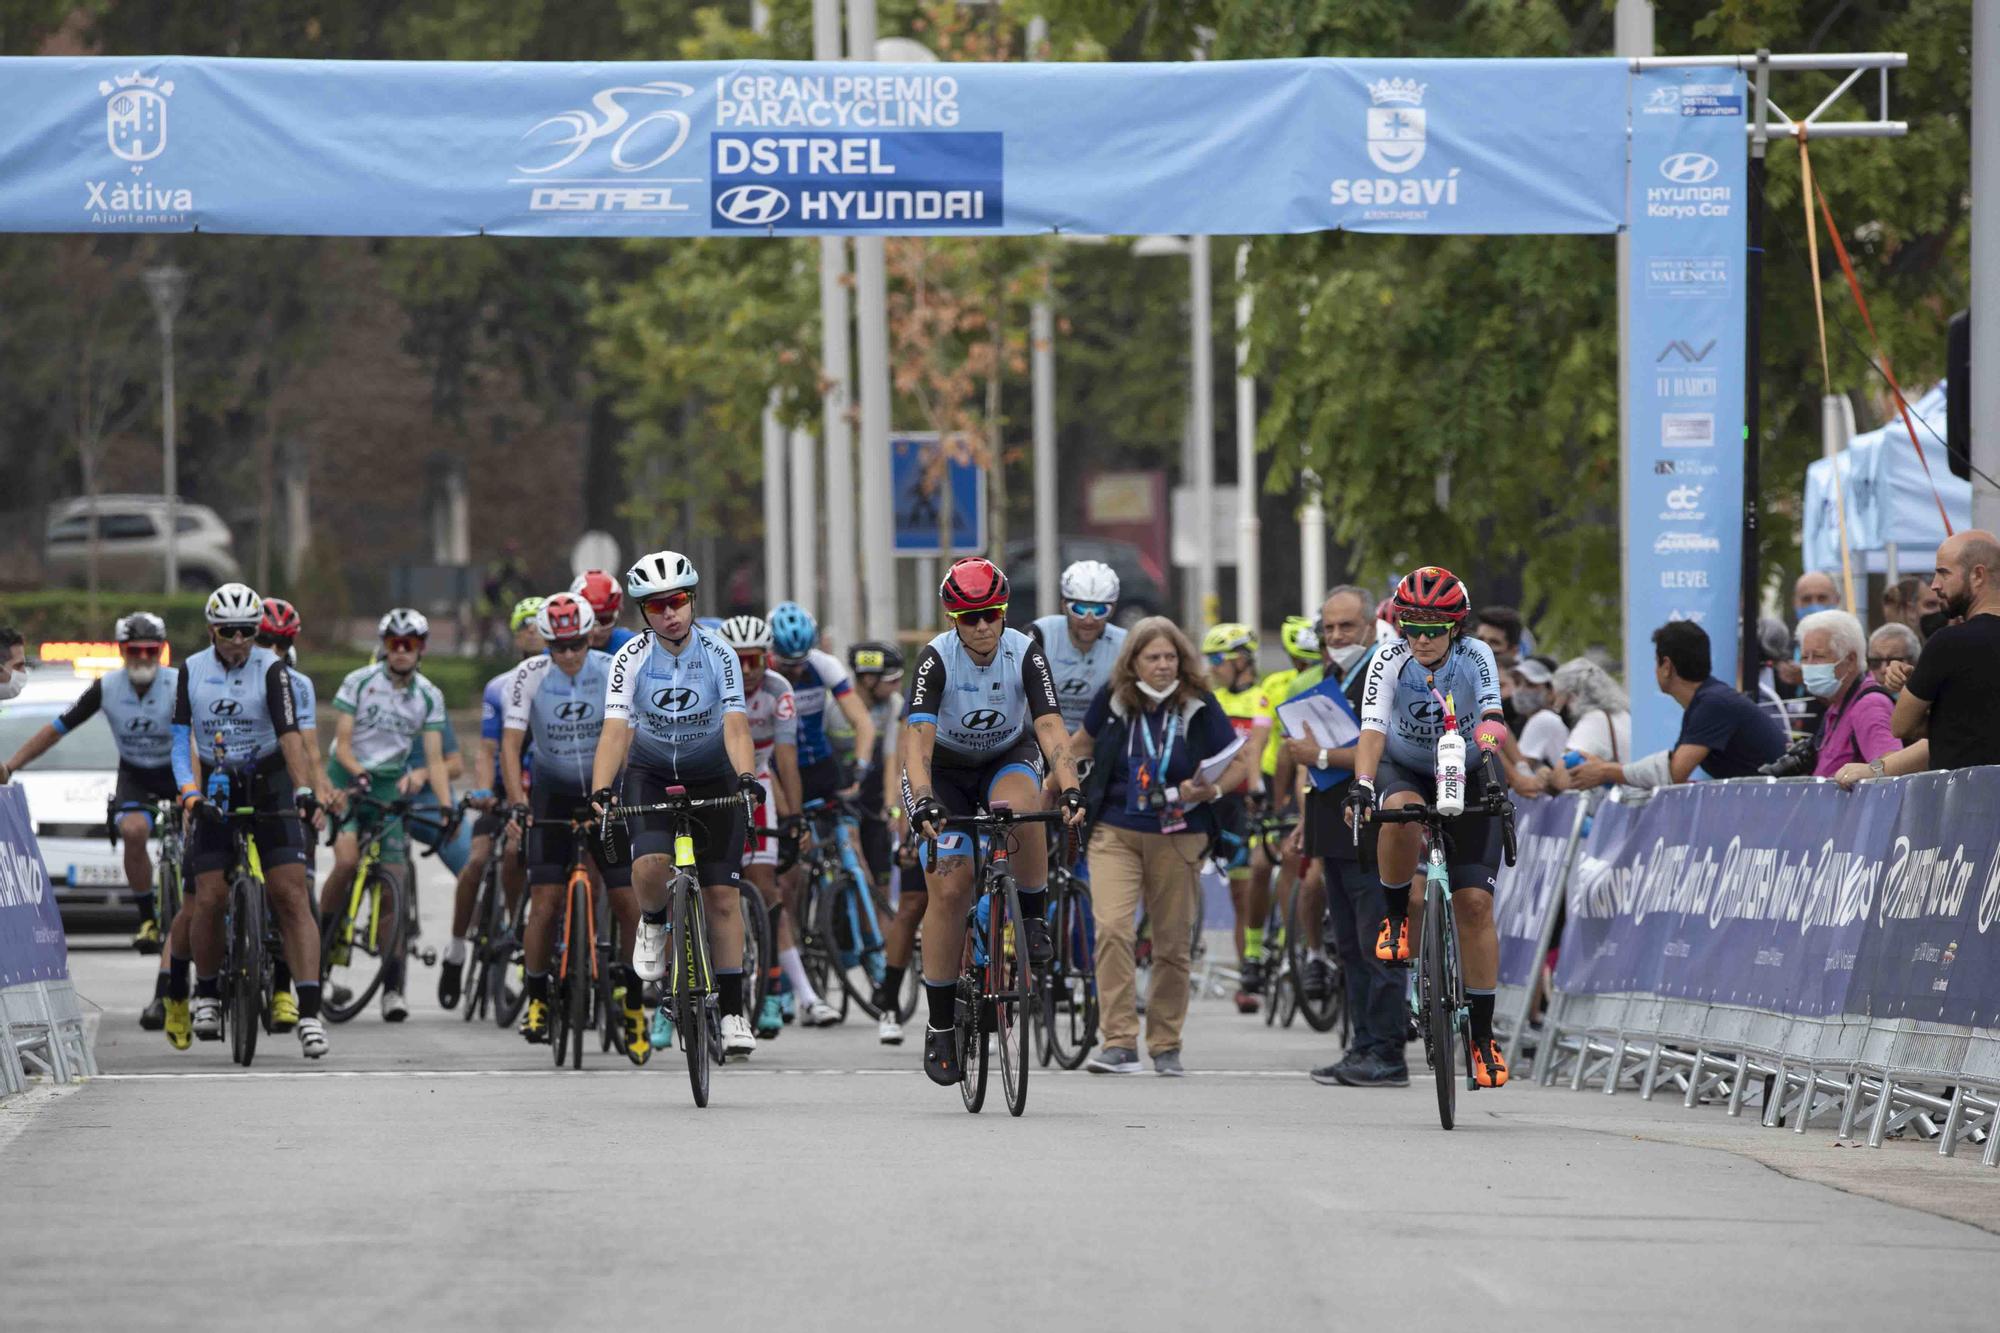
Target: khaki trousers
(1160, 869)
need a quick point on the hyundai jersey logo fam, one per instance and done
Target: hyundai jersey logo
(1689, 168)
(576, 710)
(983, 719)
(753, 205)
(1076, 685)
(225, 708)
(139, 724)
(674, 699)
(1427, 711)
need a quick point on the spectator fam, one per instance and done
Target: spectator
(1951, 698)
(1723, 733)
(1598, 713)
(1543, 733)
(13, 663)
(1855, 728)
(1376, 1005)
(1149, 730)
(1499, 628)
(1812, 593)
(1907, 601)
(1892, 652)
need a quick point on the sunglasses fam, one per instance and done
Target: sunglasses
(752, 661)
(149, 653)
(668, 601)
(1877, 663)
(237, 632)
(980, 616)
(1414, 630)
(569, 645)
(1217, 659)
(1091, 610)
(403, 643)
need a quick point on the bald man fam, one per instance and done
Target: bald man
(1813, 592)
(1951, 697)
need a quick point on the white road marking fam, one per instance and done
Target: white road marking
(734, 1073)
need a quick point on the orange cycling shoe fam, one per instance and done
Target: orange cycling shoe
(1489, 1067)
(1398, 952)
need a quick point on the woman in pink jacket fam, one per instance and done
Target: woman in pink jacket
(1855, 729)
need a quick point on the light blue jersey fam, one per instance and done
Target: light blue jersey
(980, 710)
(234, 714)
(560, 714)
(141, 723)
(675, 703)
(1398, 700)
(1079, 673)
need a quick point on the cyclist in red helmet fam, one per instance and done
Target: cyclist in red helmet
(983, 717)
(606, 599)
(1432, 671)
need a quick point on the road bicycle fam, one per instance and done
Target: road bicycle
(842, 946)
(1439, 1003)
(493, 982)
(1288, 941)
(1068, 986)
(579, 990)
(169, 890)
(377, 922)
(250, 941)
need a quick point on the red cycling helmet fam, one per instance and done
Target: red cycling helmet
(280, 619)
(973, 584)
(1432, 591)
(601, 591)
(565, 616)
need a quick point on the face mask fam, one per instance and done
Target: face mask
(1821, 678)
(1806, 613)
(13, 685)
(1158, 696)
(1343, 658)
(142, 673)
(1530, 700)
(1933, 621)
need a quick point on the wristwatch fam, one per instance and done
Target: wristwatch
(1320, 763)
(1878, 768)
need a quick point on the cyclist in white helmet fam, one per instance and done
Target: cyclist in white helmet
(1081, 643)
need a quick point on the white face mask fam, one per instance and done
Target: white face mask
(14, 684)
(1155, 693)
(1343, 658)
(142, 673)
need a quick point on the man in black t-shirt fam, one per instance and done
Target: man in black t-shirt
(1953, 695)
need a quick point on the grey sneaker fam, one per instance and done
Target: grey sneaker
(1335, 1074)
(1115, 1060)
(1167, 1064)
(1372, 1071)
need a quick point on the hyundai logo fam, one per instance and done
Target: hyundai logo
(576, 710)
(225, 708)
(1428, 711)
(674, 699)
(983, 719)
(139, 724)
(1076, 685)
(753, 205)
(1689, 168)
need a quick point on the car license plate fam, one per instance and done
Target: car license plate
(96, 875)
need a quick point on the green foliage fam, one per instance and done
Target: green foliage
(460, 679)
(63, 617)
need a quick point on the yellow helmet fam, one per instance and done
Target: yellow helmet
(1228, 637)
(1301, 638)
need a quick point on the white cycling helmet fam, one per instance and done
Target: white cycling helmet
(662, 571)
(1090, 581)
(747, 632)
(566, 615)
(234, 604)
(403, 620)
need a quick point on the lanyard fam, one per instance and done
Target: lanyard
(1161, 754)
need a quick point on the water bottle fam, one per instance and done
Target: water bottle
(1571, 758)
(1451, 774)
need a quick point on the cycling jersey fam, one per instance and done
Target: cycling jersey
(1079, 673)
(561, 714)
(235, 714)
(1276, 688)
(816, 683)
(492, 721)
(675, 703)
(620, 636)
(141, 724)
(1245, 709)
(388, 717)
(980, 711)
(1397, 702)
(305, 695)
(774, 718)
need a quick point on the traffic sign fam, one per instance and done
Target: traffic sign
(913, 469)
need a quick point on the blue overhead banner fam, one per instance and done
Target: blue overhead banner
(1684, 397)
(175, 143)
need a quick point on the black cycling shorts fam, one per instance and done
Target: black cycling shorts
(967, 790)
(1472, 841)
(552, 843)
(279, 833)
(139, 788)
(719, 834)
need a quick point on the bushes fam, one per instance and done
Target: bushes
(66, 616)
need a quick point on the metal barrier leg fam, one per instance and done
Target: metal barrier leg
(1616, 1069)
(1774, 1105)
(1652, 1074)
(1948, 1139)
(1693, 1094)
(1583, 1046)
(1855, 1082)
(57, 1048)
(1879, 1126)
(1992, 1155)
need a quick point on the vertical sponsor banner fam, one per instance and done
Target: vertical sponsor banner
(32, 947)
(1684, 398)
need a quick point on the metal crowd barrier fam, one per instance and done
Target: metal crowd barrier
(1877, 1077)
(42, 1034)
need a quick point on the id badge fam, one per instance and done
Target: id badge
(1173, 819)
(1141, 792)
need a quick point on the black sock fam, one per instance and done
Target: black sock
(144, 902)
(658, 918)
(308, 999)
(1397, 897)
(892, 979)
(392, 974)
(942, 997)
(177, 978)
(281, 975)
(1481, 1004)
(538, 986)
(635, 989)
(160, 982)
(1034, 902)
(729, 991)
(208, 988)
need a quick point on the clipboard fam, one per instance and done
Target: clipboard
(1323, 715)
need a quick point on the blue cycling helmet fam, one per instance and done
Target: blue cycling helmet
(794, 632)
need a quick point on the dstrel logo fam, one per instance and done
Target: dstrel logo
(983, 719)
(674, 699)
(569, 177)
(576, 710)
(225, 708)
(1689, 168)
(753, 205)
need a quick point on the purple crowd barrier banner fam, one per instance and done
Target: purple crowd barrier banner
(1521, 893)
(32, 946)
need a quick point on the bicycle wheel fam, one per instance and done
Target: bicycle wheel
(1071, 985)
(582, 963)
(1323, 1013)
(167, 887)
(1007, 946)
(757, 948)
(505, 980)
(354, 949)
(858, 941)
(971, 1029)
(245, 967)
(485, 925)
(913, 983)
(689, 966)
(824, 963)
(1434, 988)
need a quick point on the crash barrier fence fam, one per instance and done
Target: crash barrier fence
(41, 1024)
(1819, 954)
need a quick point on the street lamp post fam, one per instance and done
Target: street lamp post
(166, 286)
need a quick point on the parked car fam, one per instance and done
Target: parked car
(132, 544)
(69, 793)
(1142, 583)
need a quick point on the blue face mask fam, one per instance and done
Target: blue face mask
(1821, 678)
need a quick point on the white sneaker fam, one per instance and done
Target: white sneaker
(820, 1015)
(207, 1017)
(890, 1031)
(649, 951)
(393, 1008)
(737, 1038)
(312, 1038)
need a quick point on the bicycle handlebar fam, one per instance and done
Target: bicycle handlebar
(676, 805)
(1492, 801)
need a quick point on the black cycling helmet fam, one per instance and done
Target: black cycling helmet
(872, 657)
